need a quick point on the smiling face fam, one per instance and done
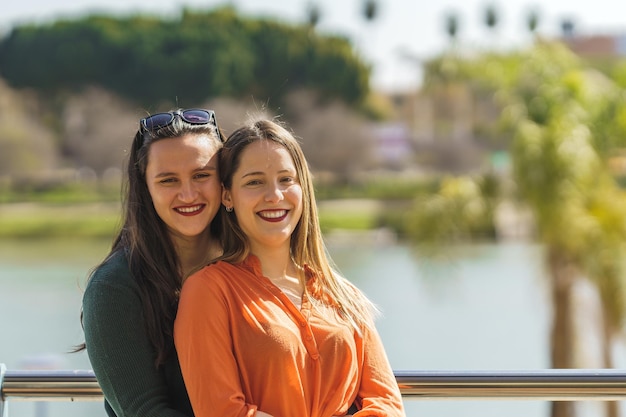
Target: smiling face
(266, 195)
(182, 178)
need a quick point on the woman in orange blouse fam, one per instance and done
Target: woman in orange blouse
(272, 329)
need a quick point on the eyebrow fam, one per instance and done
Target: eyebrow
(251, 174)
(169, 174)
(282, 171)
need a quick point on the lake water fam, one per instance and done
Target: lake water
(482, 307)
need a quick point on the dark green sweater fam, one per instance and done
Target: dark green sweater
(121, 354)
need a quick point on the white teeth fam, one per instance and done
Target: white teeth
(273, 214)
(189, 209)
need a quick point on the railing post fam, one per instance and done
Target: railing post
(4, 412)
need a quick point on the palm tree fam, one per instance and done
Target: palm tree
(313, 15)
(532, 21)
(368, 37)
(567, 28)
(491, 20)
(561, 175)
(452, 26)
(370, 10)
(491, 17)
(564, 121)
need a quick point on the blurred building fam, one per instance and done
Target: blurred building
(450, 129)
(597, 46)
(440, 131)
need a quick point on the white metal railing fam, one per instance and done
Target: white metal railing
(548, 385)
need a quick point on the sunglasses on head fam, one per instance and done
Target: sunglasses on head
(192, 116)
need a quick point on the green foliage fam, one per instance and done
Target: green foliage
(346, 221)
(461, 210)
(617, 72)
(195, 57)
(566, 119)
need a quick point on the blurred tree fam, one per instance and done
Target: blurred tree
(562, 176)
(313, 14)
(532, 21)
(27, 147)
(369, 37)
(567, 28)
(370, 10)
(461, 210)
(336, 140)
(452, 26)
(190, 59)
(97, 128)
(491, 17)
(565, 120)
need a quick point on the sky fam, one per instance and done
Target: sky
(404, 33)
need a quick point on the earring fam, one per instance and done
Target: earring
(229, 209)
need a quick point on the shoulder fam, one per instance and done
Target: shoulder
(115, 268)
(217, 278)
(111, 295)
(113, 273)
(211, 275)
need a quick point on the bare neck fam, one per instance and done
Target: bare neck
(279, 267)
(195, 253)
(275, 263)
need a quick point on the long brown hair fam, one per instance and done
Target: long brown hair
(307, 246)
(145, 241)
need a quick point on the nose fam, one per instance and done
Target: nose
(188, 192)
(273, 193)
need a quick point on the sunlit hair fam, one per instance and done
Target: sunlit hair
(145, 241)
(307, 245)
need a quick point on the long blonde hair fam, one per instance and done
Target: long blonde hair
(307, 245)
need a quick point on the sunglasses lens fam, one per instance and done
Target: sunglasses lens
(193, 116)
(157, 121)
(197, 116)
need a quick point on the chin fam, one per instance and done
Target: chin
(191, 233)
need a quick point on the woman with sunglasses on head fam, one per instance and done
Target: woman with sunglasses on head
(271, 328)
(172, 195)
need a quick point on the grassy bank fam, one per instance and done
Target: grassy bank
(41, 220)
(101, 220)
(50, 210)
(70, 209)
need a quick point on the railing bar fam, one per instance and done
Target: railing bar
(547, 385)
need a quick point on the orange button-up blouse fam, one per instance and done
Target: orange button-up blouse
(243, 345)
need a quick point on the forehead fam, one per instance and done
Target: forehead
(265, 153)
(184, 149)
(189, 142)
